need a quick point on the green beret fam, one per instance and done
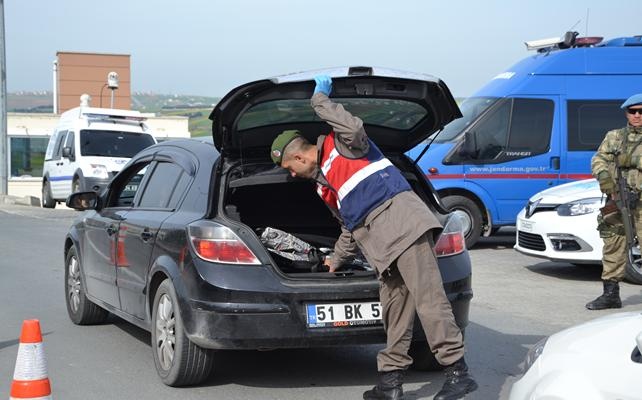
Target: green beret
(281, 142)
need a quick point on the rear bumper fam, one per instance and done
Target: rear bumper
(273, 315)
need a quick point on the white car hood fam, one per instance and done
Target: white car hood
(567, 192)
(593, 360)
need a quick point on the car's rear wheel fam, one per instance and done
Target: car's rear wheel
(80, 309)
(178, 361)
(470, 215)
(47, 199)
(422, 357)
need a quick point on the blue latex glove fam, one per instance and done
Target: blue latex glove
(324, 84)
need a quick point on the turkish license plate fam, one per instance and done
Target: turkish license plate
(343, 315)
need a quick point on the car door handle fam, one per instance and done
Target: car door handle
(111, 229)
(146, 235)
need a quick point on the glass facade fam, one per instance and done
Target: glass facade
(27, 156)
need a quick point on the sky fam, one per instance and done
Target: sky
(208, 47)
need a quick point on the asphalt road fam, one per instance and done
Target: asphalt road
(518, 300)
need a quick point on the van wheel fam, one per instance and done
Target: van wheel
(47, 198)
(80, 309)
(178, 361)
(75, 185)
(470, 215)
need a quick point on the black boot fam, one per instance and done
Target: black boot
(458, 382)
(610, 298)
(388, 388)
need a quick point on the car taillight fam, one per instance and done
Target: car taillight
(217, 243)
(452, 240)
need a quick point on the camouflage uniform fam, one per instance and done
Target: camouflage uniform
(627, 143)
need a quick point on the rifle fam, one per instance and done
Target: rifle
(626, 201)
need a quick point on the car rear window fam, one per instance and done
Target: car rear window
(393, 114)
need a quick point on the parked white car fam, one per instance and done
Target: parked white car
(597, 360)
(560, 223)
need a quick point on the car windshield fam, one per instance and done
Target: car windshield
(394, 114)
(471, 108)
(113, 143)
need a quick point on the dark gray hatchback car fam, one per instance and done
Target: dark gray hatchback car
(174, 246)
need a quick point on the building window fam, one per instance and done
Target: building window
(27, 156)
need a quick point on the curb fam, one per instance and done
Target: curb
(23, 201)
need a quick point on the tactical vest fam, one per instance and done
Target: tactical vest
(631, 139)
(357, 186)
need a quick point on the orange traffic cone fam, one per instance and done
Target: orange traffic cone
(30, 380)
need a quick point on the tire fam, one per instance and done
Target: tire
(80, 309)
(76, 185)
(47, 199)
(422, 357)
(471, 216)
(633, 273)
(178, 361)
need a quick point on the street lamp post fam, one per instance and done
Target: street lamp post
(4, 161)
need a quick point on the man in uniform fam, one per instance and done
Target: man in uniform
(624, 143)
(393, 227)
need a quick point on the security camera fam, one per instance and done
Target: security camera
(112, 80)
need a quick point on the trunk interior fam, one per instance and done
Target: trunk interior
(262, 195)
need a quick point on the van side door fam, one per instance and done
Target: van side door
(67, 163)
(56, 177)
(514, 152)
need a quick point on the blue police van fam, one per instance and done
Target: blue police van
(533, 126)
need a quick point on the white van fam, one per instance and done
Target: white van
(88, 147)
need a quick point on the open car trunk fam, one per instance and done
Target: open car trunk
(262, 195)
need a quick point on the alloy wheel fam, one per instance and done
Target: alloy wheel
(165, 331)
(73, 285)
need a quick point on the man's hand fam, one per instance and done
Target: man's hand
(327, 261)
(324, 84)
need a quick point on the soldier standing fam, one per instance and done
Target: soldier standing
(624, 143)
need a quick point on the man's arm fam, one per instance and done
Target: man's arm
(345, 249)
(348, 128)
(602, 161)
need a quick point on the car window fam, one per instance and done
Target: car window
(589, 120)
(179, 190)
(125, 187)
(160, 186)
(492, 132)
(394, 114)
(113, 143)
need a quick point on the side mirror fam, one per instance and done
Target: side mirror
(83, 201)
(67, 153)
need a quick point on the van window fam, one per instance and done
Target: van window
(113, 143)
(54, 148)
(69, 142)
(512, 129)
(471, 109)
(589, 120)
